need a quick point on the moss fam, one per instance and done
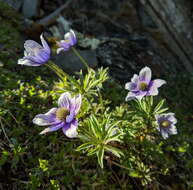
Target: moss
(9, 14)
(10, 34)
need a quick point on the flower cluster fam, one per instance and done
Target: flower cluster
(141, 86)
(64, 116)
(36, 54)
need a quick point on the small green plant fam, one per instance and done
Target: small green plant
(98, 136)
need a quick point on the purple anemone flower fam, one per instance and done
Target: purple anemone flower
(62, 117)
(35, 54)
(69, 41)
(142, 85)
(166, 124)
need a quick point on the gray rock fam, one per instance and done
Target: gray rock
(30, 8)
(175, 29)
(71, 63)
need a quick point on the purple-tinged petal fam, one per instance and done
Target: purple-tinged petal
(52, 128)
(65, 100)
(164, 133)
(130, 96)
(135, 79)
(34, 53)
(31, 46)
(171, 117)
(140, 95)
(133, 95)
(48, 118)
(159, 82)
(131, 86)
(42, 56)
(145, 74)
(166, 124)
(70, 117)
(27, 62)
(45, 44)
(59, 50)
(78, 101)
(39, 58)
(153, 89)
(71, 37)
(70, 130)
(64, 44)
(172, 130)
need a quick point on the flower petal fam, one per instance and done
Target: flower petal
(70, 117)
(145, 74)
(70, 130)
(27, 62)
(140, 95)
(172, 130)
(48, 118)
(59, 50)
(159, 82)
(153, 89)
(71, 37)
(130, 96)
(135, 79)
(171, 117)
(164, 133)
(78, 101)
(45, 44)
(52, 128)
(131, 86)
(65, 100)
(32, 46)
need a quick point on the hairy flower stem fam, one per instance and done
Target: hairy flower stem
(80, 57)
(60, 73)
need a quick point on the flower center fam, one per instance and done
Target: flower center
(62, 113)
(143, 86)
(165, 124)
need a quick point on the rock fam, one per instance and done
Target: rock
(71, 63)
(30, 8)
(125, 57)
(173, 35)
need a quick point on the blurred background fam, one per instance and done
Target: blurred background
(124, 34)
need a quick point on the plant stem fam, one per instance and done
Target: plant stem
(80, 57)
(60, 73)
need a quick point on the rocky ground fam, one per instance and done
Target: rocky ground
(123, 35)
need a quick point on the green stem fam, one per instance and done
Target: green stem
(61, 74)
(80, 57)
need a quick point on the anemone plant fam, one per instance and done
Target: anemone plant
(98, 137)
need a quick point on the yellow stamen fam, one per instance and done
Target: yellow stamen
(62, 113)
(165, 124)
(143, 86)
